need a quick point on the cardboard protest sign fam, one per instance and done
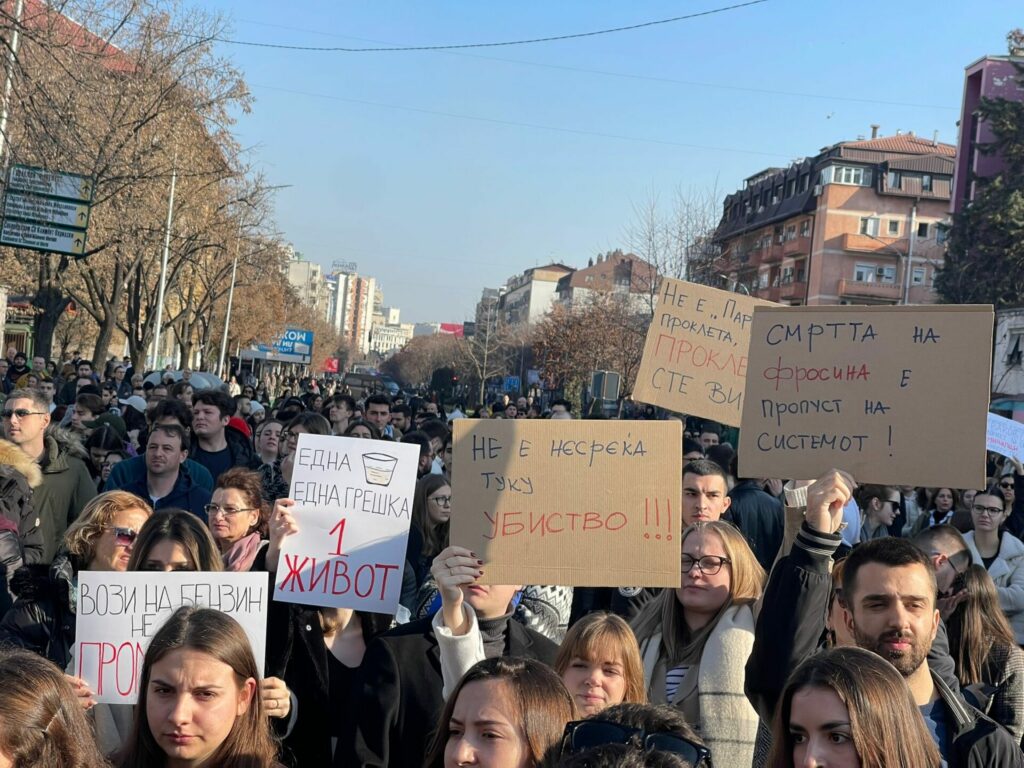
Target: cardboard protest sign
(695, 356)
(877, 391)
(583, 503)
(118, 614)
(1005, 437)
(353, 507)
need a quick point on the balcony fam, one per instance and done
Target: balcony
(772, 254)
(872, 244)
(858, 289)
(768, 294)
(793, 290)
(797, 246)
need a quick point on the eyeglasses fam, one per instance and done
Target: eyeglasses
(21, 413)
(212, 510)
(286, 435)
(124, 536)
(1006, 485)
(444, 501)
(709, 564)
(587, 734)
(991, 511)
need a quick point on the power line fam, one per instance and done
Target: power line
(577, 35)
(516, 124)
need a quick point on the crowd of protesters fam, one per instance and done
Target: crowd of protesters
(817, 622)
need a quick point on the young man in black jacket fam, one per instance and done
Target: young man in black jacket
(889, 593)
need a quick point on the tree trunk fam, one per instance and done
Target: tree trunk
(52, 302)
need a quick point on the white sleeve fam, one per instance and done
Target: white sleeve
(459, 653)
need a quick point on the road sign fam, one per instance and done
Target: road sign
(49, 209)
(42, 237)
(511, 383)
(295, 342)
(38, 181)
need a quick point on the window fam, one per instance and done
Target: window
(869, 226)
(893, 180)
(790, 232)
(805, 182)
(894, 226)
(805, 228)
(790, 187)
(826, 175)
(922, 229)
(917, 275)
(787, 275)
(864, 273)
(926, 183)
(848, 174)
(800, 273)
(886, 274)
(941, 235)
(762, 279)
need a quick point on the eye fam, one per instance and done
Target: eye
(838, 737)
(797, 737)
(612, 671)
(454, 732)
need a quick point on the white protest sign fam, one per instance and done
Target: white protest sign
(118, 614)
(1005, 437)
(353, 505)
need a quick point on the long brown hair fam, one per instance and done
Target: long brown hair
(605, 635)
(249, 744)
(977, 625)
(43, 723)
(664, 614)
(248, 483)
(543, 705)
(885, 723)
(184, 528)
(435, 537)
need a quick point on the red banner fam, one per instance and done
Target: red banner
(452, 329)
(330, 365)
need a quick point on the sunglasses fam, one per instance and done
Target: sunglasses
(124, 536)
(1001, 485)
(21, 413)
(587, 734)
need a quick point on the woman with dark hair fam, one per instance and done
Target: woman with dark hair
(42, 724)
(362, 429)
(100, 443)
(505, 712)
(277, 477)
(431, 518)
(988, 659)
(198, 701)
(695, 640)
(849, 707)
(943, 507)
(175, 540)
(1000, 552)
(237, 516)
(879, 506)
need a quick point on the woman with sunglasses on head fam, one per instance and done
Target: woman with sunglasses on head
(988, 660)
(101, 539)
(199, 705)
(237, 516)
(1001, 553)
(504, 713)
(695, 640)
(847, 708)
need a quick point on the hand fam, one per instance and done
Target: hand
(1018, 468)
(82, 692)
(826, 498)
(947, 605)
(276, 698)
(451, 569)
(282, 524)
(774, 487)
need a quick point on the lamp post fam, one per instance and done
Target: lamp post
(227, 316)
(154, 354)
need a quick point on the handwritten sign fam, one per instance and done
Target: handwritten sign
(353, 507)
(695, 356)
(1005, 437)
(118, 614)
(584, 503)
(877, 391)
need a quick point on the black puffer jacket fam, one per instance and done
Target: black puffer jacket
(43, 616)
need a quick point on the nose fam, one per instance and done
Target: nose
(181, 712)
(464, 753)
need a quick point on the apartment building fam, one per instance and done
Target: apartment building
(530, 295)
(856, 224)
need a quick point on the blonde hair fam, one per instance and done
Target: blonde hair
(80, 537)
(605, 635)
(664, 614)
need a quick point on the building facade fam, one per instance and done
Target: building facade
(856, 224)
(307, 279)
(530, 296)
(350, 307)
(621, 275)
(991, 77)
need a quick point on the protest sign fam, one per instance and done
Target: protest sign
(353, 505)
(583, 503)
(1005, 437)
(695, 356)
(878, 391)
(118, 614)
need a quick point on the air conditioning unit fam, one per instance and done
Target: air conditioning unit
(817, 190)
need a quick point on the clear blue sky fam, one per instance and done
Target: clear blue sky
(439, 174)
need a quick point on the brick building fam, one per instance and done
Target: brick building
(856, 224)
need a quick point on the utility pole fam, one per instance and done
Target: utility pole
(912, 235)
(155, 353)
(227, 317)
(12, 60)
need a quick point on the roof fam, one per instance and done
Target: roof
(907, 144)
(602, 275)
(38, 15)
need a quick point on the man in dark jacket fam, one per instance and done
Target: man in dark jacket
(398, 687)
(889, 598)
(216, 447)
(167, 483)
(758, 515)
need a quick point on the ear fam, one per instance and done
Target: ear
(245, 696)
(848, 621)
(727, 503)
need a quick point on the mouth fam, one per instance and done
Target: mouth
(899, 644)
(180, 739)
(476, 589)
